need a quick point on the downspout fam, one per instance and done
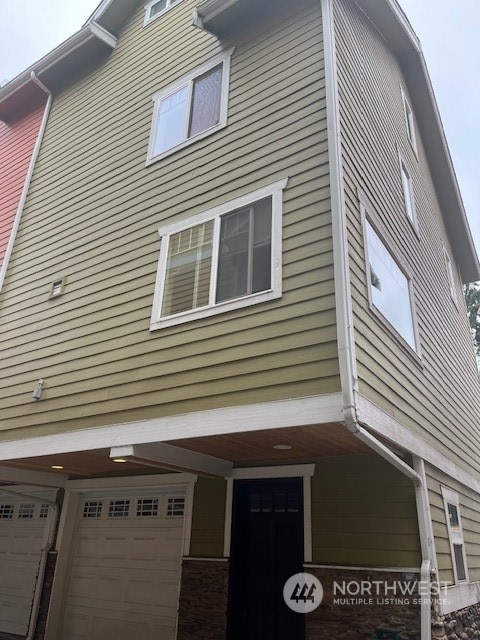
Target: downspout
(37, 595)
(344, 314)
(28, 178)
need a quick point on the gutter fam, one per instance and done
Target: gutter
(344, 316)
(89, 32)
(37, 595)
(28, 178)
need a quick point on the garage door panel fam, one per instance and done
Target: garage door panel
(125, 571)
(22, 525)
(84, 625)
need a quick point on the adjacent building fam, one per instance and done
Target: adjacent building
(234, 341)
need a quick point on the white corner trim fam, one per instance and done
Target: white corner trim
(384, 425)
(242, 419)
(343, 296)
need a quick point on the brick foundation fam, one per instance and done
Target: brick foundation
(203, 600)
(332, 621)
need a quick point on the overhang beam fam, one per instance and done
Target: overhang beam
(167, 456)
(35, 478)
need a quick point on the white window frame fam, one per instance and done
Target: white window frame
(455, 537)
(188, 81)
(408, 193)
(450, 276)
(409, 123)
(275, 191)
(148, 7)
(368, 217)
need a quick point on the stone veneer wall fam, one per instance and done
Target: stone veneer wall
(458, 625)
(359, 621)
(203, 600)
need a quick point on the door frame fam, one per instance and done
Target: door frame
(74, 491)
(304, 471)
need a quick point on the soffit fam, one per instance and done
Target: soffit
(243, 449)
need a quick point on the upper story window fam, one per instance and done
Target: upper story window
(190, 109)
(450, 278)
(408, 196)
(157, 8)
(223, 259)
(389, 287)
(455, 533)
(409, 122)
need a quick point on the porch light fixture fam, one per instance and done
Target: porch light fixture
(282, 447)
(119, 460)
(57, 466)
(37, 392)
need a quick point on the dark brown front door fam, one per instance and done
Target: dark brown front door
(267, 548)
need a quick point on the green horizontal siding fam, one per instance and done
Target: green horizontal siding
(437, 398)
(363, 514)
(92, 215)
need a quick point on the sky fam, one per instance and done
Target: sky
(448, 31)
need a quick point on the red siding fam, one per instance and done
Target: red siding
(17, 140)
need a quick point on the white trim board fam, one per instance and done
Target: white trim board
(382, 424)
(304, 471)
(242, 419)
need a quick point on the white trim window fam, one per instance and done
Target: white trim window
(450, 278)
(222, 259)
(190, 109)
(455, 534)
(408, 196)
(409, 122)
(157, 8)
(389, 288)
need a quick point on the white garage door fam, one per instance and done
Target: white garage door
(22, 526)
(125, 574)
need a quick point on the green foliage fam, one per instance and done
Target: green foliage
(472, 298)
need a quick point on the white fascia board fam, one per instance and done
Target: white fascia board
(167, 456)
(34, 478)
(295, 412)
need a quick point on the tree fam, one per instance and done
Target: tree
(472, 298)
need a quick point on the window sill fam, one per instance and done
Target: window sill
(185, 143)
(222, 307)
(415, 356)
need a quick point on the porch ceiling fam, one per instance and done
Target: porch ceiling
(243, 449)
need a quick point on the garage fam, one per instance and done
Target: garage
(22, 528)
(125, 572)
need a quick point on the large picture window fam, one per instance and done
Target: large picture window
(191, 108)
(389, 287)
(222, 259)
